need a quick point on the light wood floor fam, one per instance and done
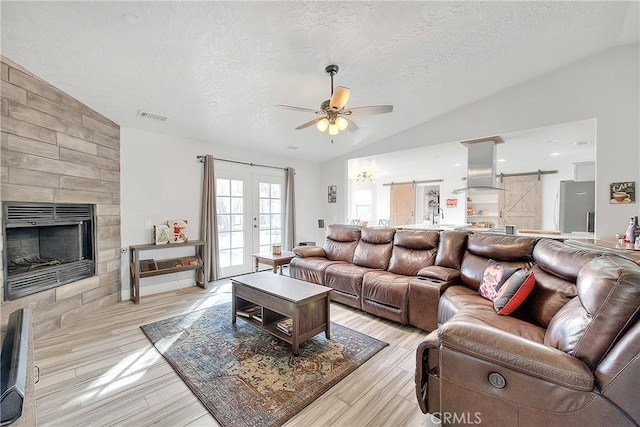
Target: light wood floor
(105, 372)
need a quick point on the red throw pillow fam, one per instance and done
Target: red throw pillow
(513, 292)
(506, 286)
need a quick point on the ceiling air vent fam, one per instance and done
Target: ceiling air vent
(152, 116)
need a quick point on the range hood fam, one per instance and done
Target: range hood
(481, 165)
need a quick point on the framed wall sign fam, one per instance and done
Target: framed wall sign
(623, 192)
(332, 197)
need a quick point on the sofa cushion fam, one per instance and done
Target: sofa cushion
(500, 247)
(556, 271)
(374, 248)
(464, 304)
(485, 315)
(473, 267)
(508, 250)
(456, 298)
(346, 280)
(412, 250)
(310, 269)
(561, 260)
(608, 303)
(385, 294)
(451, 247)
(341, 242)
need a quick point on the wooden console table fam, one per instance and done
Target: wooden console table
(152, 267)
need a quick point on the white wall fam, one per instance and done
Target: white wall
(161, 180)
(604, 86)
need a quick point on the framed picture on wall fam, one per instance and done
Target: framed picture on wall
(623, 192)
(332, 193)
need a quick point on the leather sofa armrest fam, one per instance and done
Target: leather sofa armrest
(618, 373)
(424, 296)
(439, 273)
(426, 348)
(309, 251)
(516, 353)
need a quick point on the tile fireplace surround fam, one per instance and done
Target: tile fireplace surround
(58, 150)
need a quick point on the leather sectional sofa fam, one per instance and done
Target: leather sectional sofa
(569, 355)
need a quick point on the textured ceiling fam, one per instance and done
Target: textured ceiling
(217, 69)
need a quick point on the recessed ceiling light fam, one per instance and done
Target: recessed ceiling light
(130, 19)
(555, 154)
(501, 160)
(457, 164)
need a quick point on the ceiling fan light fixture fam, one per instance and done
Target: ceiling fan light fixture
(342, 123)
(332, 113)
(322, 125)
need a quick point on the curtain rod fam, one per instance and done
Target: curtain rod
(201, 158)
(412, 182)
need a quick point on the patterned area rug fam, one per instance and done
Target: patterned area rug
(246, 377)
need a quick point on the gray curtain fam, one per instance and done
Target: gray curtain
(209, 225)
(289, 238)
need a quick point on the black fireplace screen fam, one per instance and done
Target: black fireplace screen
(46, 245)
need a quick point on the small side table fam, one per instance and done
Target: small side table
(276, 261)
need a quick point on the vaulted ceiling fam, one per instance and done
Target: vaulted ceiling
(217, 69)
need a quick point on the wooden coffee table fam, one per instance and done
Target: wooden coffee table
(275, 261)
(307, 304)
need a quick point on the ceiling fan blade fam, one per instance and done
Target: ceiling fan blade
(352, 126)
(371, 109)
(304, 110)
(309, 123)
(339, 98)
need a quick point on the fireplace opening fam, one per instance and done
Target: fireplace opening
(46, 245)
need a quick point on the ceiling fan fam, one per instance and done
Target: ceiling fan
(333, 115)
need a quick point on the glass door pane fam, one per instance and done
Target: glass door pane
(269, 213)
(233, 214)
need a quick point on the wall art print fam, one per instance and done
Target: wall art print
(178, 228)
(162, 234)
(623, 192)
(332, 193)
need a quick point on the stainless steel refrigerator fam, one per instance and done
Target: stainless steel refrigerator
(577, 206)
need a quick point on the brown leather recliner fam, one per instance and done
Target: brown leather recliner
(568, 356)
(386, 293)
(372, 252)
(312, 261)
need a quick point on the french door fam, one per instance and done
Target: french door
(250, 210)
